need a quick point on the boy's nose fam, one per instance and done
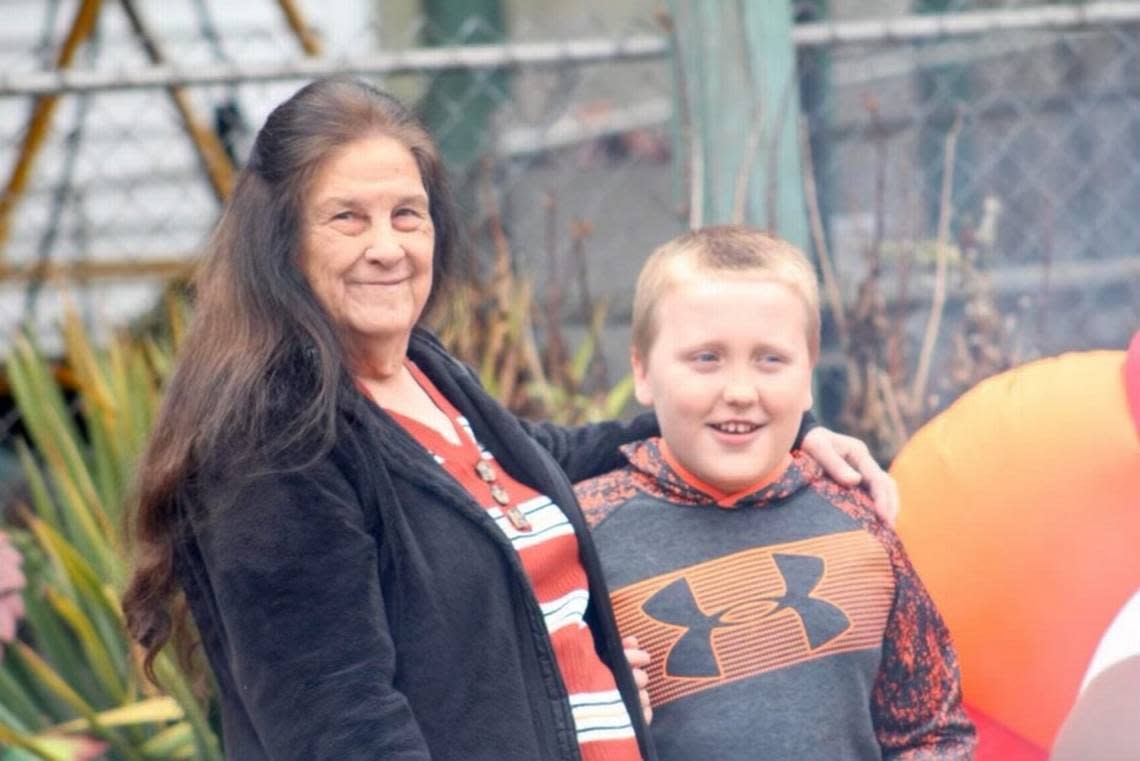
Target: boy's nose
(739, 390)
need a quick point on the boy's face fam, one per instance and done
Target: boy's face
(729, 374)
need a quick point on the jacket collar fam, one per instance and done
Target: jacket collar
(497, 429)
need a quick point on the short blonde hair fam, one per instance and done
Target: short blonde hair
(723, 248)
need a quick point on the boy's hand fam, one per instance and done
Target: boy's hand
(848, 461)
(639, 658)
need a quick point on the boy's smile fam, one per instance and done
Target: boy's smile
(729, 374)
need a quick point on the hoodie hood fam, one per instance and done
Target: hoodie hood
(659, 477)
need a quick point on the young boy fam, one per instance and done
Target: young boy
(783, 618)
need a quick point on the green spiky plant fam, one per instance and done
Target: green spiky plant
(70, 687)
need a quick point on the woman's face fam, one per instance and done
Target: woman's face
(367, 244)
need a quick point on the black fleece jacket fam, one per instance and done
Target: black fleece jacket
(366, 607)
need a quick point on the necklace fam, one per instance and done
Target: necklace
(488, 475)
(458, 453)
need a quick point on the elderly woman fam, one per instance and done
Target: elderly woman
(381, 561)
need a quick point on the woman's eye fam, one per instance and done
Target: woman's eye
(343, 215)
(705, 358)
(407, 219)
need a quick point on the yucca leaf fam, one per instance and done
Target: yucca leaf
(42, 501)
(108, 475)
(28, 746)
(617, 398)
(73, 474)
(588, 349)
(81, 359)
(174, 682)
(95, 597)
(17, 710)
(583, 356)
(158, 358)
(62, 747)
(55, 435)
(76, 484)
(109, 678)
(52, 681)
(57, 449)
(27, 371)
(82, 524)
(56, 644)
(148, 711)
(142, 400)
(176, 741)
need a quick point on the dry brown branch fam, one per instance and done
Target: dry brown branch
(556, 352)
(502, 277)
(938, 299)
(529, 350)
(896, 346)
(811, 198)
(580, 230)
(891, 403)
(879, 138)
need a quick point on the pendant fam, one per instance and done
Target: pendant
(518, 520)
(485, 471)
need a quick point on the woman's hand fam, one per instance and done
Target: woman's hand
(849, 461)
(638, 659)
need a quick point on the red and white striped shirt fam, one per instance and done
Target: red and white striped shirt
(548, 548)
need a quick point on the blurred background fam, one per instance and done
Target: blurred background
(589, 132)
(965, 173)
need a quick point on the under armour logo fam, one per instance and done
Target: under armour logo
(693, 656)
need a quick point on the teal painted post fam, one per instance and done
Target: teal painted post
(740, 114)
(816, 103)
(459, 104)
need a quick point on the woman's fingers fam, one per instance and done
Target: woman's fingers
(849, 461)
(829, 450)
(637, 659)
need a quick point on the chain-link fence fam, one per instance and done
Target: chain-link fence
(1039, 110)
(557, 118)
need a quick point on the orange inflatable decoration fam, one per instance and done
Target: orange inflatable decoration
(1021, 511)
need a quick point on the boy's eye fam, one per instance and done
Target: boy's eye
(705, 357)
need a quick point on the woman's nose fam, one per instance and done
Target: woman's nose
(385, 248)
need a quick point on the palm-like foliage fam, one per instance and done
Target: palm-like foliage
(71, 685)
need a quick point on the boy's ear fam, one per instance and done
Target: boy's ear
(641, 389)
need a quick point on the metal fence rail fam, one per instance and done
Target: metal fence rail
(562, 53)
